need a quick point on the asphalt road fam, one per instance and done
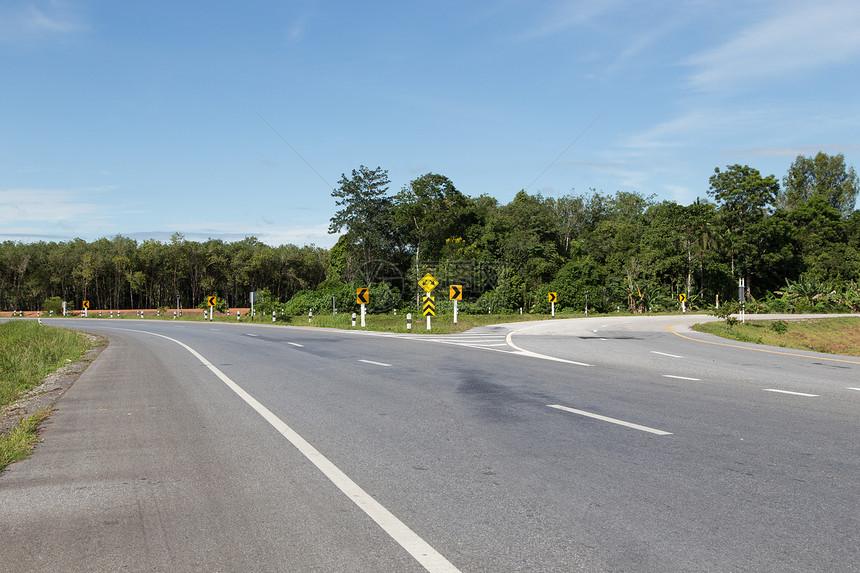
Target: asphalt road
(600, 444)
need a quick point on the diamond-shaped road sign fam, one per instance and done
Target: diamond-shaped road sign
(428, 283)
(455, 292)
(362, 295)
(553, 297)
(429, 306)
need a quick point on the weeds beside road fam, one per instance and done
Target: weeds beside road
(827, 335)
(28, 353)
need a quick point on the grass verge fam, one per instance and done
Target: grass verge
(440, 324)
(30, 351)
(828, 335)
(20, 441)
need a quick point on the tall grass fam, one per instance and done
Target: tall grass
(30, 351)
(19, 443)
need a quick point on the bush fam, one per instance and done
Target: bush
(54, 303)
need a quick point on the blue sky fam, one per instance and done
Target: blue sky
(150, 118)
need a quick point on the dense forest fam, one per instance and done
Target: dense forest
(795, 243)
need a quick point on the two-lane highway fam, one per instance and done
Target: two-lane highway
(590, 445)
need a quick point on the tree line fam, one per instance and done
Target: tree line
(123, 273)
(794, 243)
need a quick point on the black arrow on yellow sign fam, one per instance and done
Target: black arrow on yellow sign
(553, 297)
(455, 292)
(429, 306)
(362, 295)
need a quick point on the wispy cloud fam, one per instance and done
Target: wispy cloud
(296, 29)
(47, 205)
(273, 235)
(800, 37)
(37, 20)
(830, 148)
(567, 14)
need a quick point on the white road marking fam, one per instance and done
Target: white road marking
(525, 352)
(611, 420)
(664, 354)
(375, 363)
(850, 388)
(419, 549)
(790, 392)
(296, 344)
(249, 334)
(682, 377)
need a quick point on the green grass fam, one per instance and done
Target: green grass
(20, 441)
(30, 351)
(440, 324)
(828, 335)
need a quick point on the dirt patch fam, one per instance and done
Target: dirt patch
(52, 388)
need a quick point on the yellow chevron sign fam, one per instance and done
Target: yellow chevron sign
(211, 300)
(455, 292)
(362, 295)
(553, 297)
(429, 306)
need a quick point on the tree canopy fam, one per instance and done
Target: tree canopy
(625, 249)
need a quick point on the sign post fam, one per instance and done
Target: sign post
(553, 298)
(428, 283)
(362, 297)
(455, 293)
(86, 306)
(741, 298)
(211, 302)
(683, 298)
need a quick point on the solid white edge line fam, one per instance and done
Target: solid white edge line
(524, 352)
(419, 549)
(850, 388)
(682, 377)
(375, 363)
(790, 392)
(296, 344)
(611, 420)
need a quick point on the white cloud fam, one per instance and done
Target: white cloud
(829, 148)
(274, 235)
(49, 206)
(568, 14)
(37, 20)
(801, 37)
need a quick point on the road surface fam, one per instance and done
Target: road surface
(599, 444)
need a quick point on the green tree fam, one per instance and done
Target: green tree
(744, 198)
(366, 214)
(823, 175)
(430, 210)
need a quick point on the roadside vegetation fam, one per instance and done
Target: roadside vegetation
(29, 352)
(795, 243)
(390, 322)
(828, 335)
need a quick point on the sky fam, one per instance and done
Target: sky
(234, 119)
